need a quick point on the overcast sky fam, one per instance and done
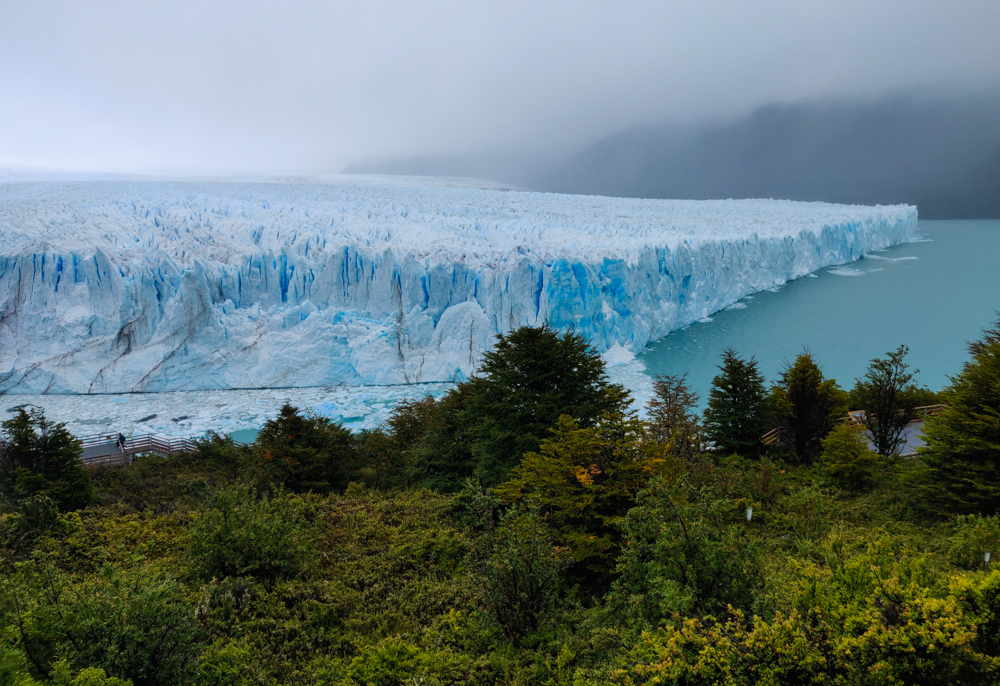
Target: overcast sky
(293, 86)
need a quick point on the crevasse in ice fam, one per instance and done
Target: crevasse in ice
(117, 286)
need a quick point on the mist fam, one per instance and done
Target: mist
(941, 155)
(519, 87)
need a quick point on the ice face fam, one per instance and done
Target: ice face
(121, 286)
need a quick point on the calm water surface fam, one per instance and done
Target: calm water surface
(932, 295)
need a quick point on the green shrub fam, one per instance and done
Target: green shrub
(62, 675)
(13, 666)
(519, 574)
(974, 537)
(685, 552)
(585, 480)
(847, 457)
(237, 533)
(136, 625)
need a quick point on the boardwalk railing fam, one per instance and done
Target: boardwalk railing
(922, 412)
(103, 450)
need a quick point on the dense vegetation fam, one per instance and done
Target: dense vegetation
(526, 528)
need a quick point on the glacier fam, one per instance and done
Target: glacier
(139, 285)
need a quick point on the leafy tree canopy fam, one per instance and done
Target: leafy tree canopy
(305, 453)
(847, 457)
(585, 480)
(532, 376)
(887, 396)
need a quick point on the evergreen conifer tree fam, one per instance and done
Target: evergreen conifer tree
(529, 379)
(736, 416)
(806, 406)
(963, 442)
(39, 457)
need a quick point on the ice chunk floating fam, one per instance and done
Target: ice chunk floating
(120, 286)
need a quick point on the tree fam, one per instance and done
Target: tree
(532, 376)
(305, 453)
(887, 397)
(584, 480)
(672, 415)
(806, 406)
(963, 442)
(736, 416)
(38, 457)
(443, 454)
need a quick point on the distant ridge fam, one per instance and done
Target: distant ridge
(943, 157)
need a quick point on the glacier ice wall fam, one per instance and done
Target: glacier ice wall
(119, 286)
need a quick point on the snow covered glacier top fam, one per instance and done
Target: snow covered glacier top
(121, 285)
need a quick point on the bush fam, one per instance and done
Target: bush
(585, 480)
(685, 552)
(519, 574)
(847, 457)
(13, 666)
(235, 533)
(38, 457)
(133, 624)
(62, 675)
(974, 537)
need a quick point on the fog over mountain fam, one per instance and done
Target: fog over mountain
(942, 155)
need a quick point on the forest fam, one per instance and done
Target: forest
(531, 526)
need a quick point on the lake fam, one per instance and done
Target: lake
(933, 295)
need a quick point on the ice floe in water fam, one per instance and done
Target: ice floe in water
(192, 413)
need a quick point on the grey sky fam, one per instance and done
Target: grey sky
(296, 86)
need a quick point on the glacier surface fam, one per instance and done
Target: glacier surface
(118, 286)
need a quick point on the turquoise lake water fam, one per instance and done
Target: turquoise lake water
(933, 295)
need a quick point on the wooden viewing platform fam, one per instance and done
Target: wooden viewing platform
(102, 450)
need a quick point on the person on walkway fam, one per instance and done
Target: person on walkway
(121, 443)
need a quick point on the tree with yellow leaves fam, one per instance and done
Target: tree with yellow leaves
(583, 481)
